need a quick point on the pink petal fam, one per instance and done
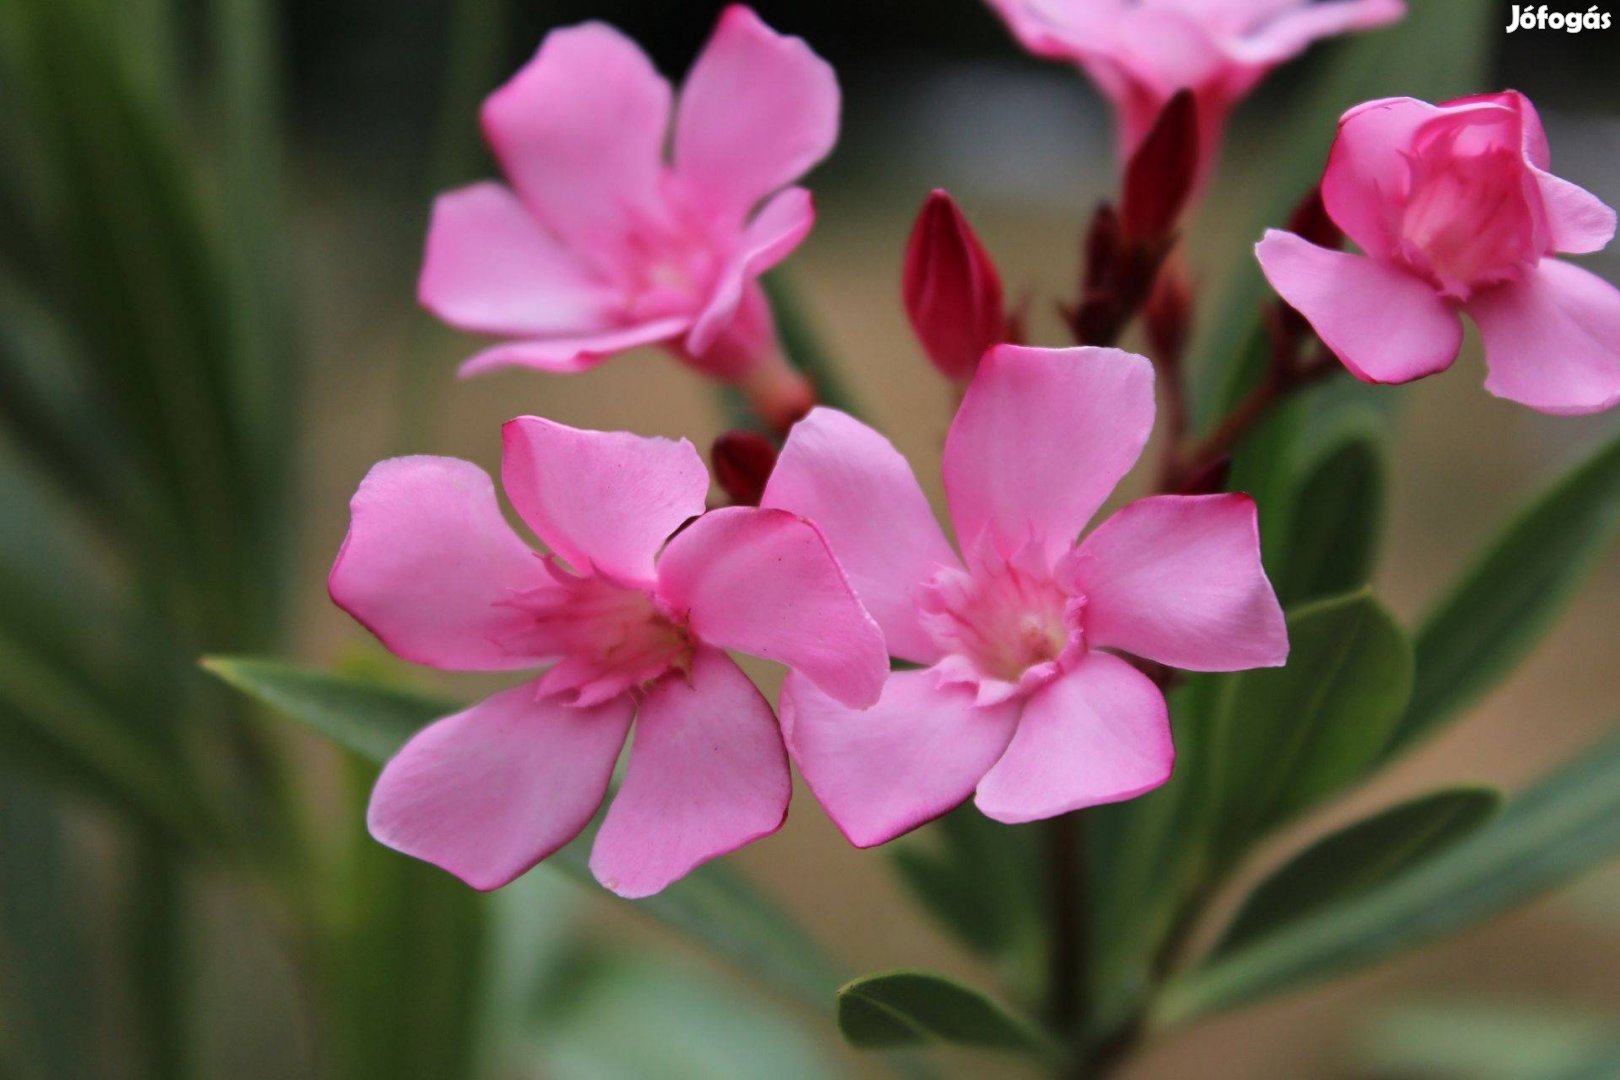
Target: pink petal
(908, 759)
(1041, 439)
(601, 499)
(491, 268)
(707, 775)
(1386, 324)
(764, 582)
(862, 495)
(567, 355)
(1578, 221)
(580, 132)
(1552, 340)
(1099, 734)
(758, 109)
(1368, 169)
(429, 563)
(489, 792)
(1292, 31)
(1178, 579)
(779, 227)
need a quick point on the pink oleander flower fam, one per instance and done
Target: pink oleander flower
(1022, 697)
(633, 621)
(1140, 52)
(601, 244)
(1454, 210)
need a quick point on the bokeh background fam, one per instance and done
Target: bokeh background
(314, 134)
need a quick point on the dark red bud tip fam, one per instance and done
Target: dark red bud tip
(1208, 478)
(1310, 221)
(1102, 250)
(951, 289)
(1160, 175)
(1168, 315)
(743, 461)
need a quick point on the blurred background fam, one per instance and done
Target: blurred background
(210, 222)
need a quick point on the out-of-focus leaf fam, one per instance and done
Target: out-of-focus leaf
(1359, 857)
(1486, 1040)
(1566, 824)
(45, 970)
(903, 1008)
(157, 943)
(1281, 740)
(1511, 594)
(1441, 49)
(411, 947)
(710, 904)
(687, 1024)
(1337, 511)
(979, 878)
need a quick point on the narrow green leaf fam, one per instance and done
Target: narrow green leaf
(1357, 858)
(1489, 1040)
(1284, 739)
(902, 1008)
(1563, 826)
(711, 904)
(1509, 597)
(1337, 511)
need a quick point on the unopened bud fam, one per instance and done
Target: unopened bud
(743, 461)
(1168, 315)
(1101, 251)
(1310, 221)
(1160, 175)
(951, 289)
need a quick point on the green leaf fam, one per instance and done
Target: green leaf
(979, 878)
(1565, 825)
(1357, 858)
(711, 904)
(1509, 597)
(902, 1008)
(1283, 739)
(1337, 511)
(1441, 49)
(1488, 1040)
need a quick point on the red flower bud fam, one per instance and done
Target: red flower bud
(1160, 175)
(951, 289)
(1310, 221)
(1168, 314)
(743, 461)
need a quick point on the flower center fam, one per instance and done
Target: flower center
(607, 638)
(1008, 625)
(1467, 222)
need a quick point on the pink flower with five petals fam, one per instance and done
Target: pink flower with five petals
(633, 621)
(1022, 698)
(1140, 52)
(1454, 210)
(601, 245)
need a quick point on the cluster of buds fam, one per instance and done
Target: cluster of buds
(1125, 247)
(952, 291)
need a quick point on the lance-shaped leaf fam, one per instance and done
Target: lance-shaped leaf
(1358, 858)
(1564, 825)
(1510, 596)
(710, 904)
(1338, 508)
(904, 1008)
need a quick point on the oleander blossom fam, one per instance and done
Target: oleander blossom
(600, 244)
(1140, 52)
(632, 622)
(1454, 210)
(1021, 698)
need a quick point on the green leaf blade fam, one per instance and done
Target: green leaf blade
(904, 1008)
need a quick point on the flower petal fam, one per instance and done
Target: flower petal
(602, 499)
(580, 132)
(1552, 340)
(862, 495)
(764, 582)
(1099, 734)
(779, 227)
(1366, 169)
(489, 267)
(707, 775)
(1385, 324)
(1293, 30)
(757, 110)
(489, 792)
(1178, 579)
(1041, 439)
(429, 563)
(567, 355)
(1577, 220)
(908, 759)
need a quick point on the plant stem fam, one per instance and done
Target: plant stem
(1065, 985)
